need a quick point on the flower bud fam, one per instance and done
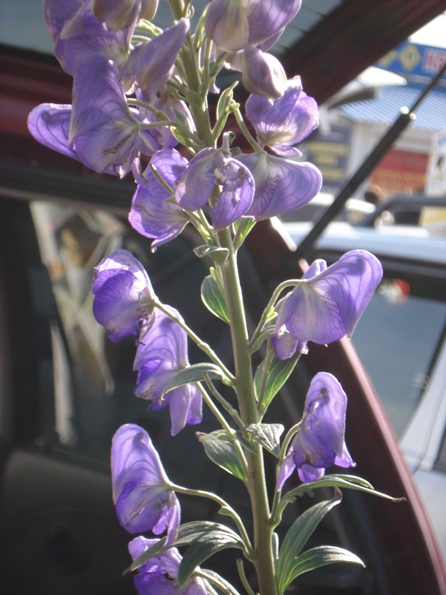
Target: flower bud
(116, 14)
(263, 74)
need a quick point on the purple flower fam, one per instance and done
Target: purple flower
(161, 353)
(281, 185)
(119, 14)
(328, 302)
(79, 36)
(150, 214)
(142, 492)
(103, 130)
(235, 24)
(158, 576)
(263, 73)
(319, 441)
(49, 124)
(282, 123)
(150, 64)
(122, 293)
(209, 169)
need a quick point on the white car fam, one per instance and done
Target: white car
(401, 340)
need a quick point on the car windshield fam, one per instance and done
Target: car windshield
(397, 339)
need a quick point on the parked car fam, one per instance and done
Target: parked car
(401, 340)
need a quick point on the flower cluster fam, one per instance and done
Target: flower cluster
(140, 106)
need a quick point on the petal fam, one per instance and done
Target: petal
(227, 24)
(49, 124)
(103, 131)
(285, 470)
(236, 196)
(195, 187)
(58, 12)
(263, 73)
(328, 306)
(281, 185)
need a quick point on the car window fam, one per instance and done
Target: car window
(397, 339)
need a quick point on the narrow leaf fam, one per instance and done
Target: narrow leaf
(224, 101)
(268, 435)
(277, 374)
(218, 254)
(223, 453)
(195, 373)
(221, 583)
(205, 544)
(298, 535)
(321, 556)
(213, 298)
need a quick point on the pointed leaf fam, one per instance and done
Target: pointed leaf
(191, 374)
(298, 535)
(213, 299)
(223, 453)
(278, 373)
(224, 100)
(321, 556)
(268, 435)
(206, 543)
(221, 583)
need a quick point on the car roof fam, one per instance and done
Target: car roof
(402, 242)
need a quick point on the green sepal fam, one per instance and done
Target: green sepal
(219, 448)
(207, 540)
(191, 374)
(268, 435)
(277, 374)
(218, 255)
(298, 535)
(242, 228)
(317, 557)
(213, 299)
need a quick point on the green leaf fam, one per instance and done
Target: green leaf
(208, 540)
(222, 584)
(242, 228)
(213, 298)
(191, 374)
(278, 373)
(219, 255)
(298, 535)
(268, 435)
(320, 556)
(223, 453)
(224, 101)
(194, 98)
(351, 482)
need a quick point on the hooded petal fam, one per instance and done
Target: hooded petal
(285, 121)
(141, 491)
(234, 24)
(122, 294)
(195, 188)
(103, 130)
(49, 124)
(326, 307)
(159, 575)
(319, 442)
(237, 191)
(263, 73)
(281, 185)
(150, 214)
(161, 353)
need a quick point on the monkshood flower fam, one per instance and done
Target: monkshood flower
(79, 36)
(151, 214)
(282, 123)
(161, 353)
(151, 64)
(211, 168)
(142, 493)
(281, 185)
(158, 576)
(103, 130)
(319, 441)
(235, 24)
(328, 302)
(262, 73)
(122, 294)
(119, 14)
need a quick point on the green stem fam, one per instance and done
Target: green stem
(264, 559)
(201, 344)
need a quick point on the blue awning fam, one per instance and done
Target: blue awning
(385, 109)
